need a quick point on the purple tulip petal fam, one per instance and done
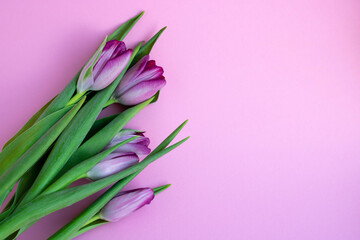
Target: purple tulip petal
(114, 165)
(151, 71)
(120, 49)
(125, 132)
(125, 203)
(138, 149)
(141, 140)
(84, 84)
(118, 139)
(141, 92)
(105, 56)
(113, 156)
(86, 78)
(131, 75)
(111, 70)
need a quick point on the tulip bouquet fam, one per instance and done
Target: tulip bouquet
(66, 141)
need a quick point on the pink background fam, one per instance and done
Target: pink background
(272, 91)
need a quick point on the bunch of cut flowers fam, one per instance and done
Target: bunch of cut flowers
(66, 141)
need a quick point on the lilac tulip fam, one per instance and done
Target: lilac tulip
(140, 83)
(104, 66)
(138, 146)
(126, 203)
(112, 164)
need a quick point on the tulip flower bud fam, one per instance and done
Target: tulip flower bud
(112, 164)
(104, 66)
(140, 83)
(138, 146)
(125, 203)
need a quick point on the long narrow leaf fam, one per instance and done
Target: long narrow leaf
(147, 47)
(24, 184)
(30, 157)
(29, 123)
(23, 142)
(88, 227)
(62, 98)
(2, 198)
(98, 125)
(125, 28)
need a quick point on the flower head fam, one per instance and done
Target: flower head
(140, 82)
(104, 66)
(112, 164)
(125, 203)
(124, 156)
(138, 146)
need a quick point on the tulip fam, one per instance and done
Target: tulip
(139, 83)
(113, 163)
(125, 203)
(104, 66)
(138, 146)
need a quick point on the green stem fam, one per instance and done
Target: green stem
(93, 219)
(89, 227)
(111, 101)
(75, 98)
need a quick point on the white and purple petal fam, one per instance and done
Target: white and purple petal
(112, 164)
(131, 75)
(105, 56)
(86, 78)
(126, 203)
(137, 148)
(111, 70)
(141, 92)
(150, 72)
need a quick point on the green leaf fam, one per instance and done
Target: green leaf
(2, 198)
(24, 141)
(146, 49)
(90, 226)
(28, 178)
(62, 98)
(24, 184)
(82, 168)
(156, 97)
(168, 140)
(160, 189)
(72, 137)
(97, 142)
(93, 60)
(72, 227)
(98, 125)
(125, 28)
(29, 123)
(31, 156)
(44, 205)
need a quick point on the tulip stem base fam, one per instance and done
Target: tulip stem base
(111, 101)
(75, 98)
(93, 219)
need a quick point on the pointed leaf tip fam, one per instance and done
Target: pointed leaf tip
(124, 29)
(147, 47)
(158, 190)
